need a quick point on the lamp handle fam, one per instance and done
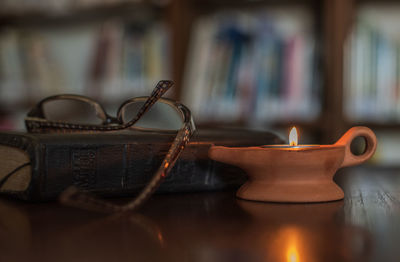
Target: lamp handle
(370, 145)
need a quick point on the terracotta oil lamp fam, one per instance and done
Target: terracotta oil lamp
(295, 173)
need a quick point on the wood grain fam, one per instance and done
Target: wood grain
(216, 227)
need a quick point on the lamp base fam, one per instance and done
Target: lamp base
(291, 192)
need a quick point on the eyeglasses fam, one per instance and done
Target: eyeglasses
(86, 115)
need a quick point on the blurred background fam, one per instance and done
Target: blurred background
(321, 65)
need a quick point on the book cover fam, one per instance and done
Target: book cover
(117, 164)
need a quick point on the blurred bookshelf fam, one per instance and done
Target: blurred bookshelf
(372, 66)
(109, 50)
(253, 66)
(321, 65)
(372, 75)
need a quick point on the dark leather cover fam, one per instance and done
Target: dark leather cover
(119, 164)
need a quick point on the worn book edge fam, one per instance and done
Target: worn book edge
(12, 159)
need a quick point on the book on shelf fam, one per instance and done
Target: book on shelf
(88, 58)
(62, 7)
(6, 123)
(372, 65)
(117, 164)
(257, 65)
(388, 152)
(11, 72)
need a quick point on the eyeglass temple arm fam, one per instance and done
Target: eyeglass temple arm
(73, 197)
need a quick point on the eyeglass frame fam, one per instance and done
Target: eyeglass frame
(36, 122)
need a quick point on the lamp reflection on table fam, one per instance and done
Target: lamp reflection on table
(304, 232)
(292, 253)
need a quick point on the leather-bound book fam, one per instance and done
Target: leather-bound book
(116, 164)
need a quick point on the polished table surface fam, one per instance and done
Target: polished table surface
(216, 226)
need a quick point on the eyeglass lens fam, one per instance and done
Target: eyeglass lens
(71, 111)
(160, 116)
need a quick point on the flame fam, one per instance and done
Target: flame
(293, 137)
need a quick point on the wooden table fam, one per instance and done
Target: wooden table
(365, 226)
